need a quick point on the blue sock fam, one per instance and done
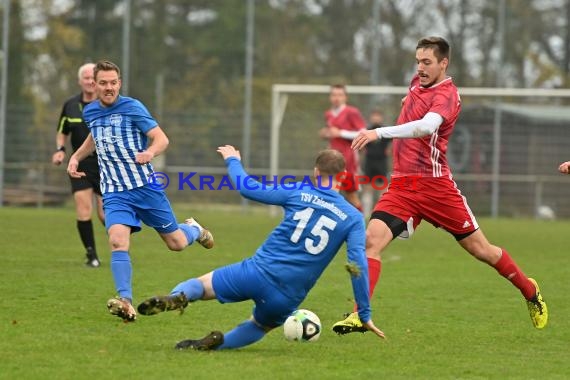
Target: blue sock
(192, 232)
(122, 270)
(244, 334)
(192, 289)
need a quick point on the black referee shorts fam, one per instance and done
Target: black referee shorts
(91, 179)
(373, 168)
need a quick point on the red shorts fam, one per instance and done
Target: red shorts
(347, 182)
(437, 200)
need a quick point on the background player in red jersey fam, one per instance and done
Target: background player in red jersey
(425, 188)
(343, 123)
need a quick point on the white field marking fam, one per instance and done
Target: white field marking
(392, 258)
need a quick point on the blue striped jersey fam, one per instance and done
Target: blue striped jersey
(119, 132)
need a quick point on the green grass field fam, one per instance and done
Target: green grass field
(446, 316)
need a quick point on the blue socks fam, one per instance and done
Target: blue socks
(192, 289)
(244, 334)
(122, 271)
(192, 232)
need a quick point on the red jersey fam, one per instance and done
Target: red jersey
(348, 118)
(426, 156)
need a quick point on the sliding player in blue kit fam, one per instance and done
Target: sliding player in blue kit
(317, 221)
(120, 130)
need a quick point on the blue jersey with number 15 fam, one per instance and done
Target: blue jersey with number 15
(316, 223)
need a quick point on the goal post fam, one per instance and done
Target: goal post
(279, 97)
(494, 99)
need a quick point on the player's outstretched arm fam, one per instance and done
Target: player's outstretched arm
(414, 129)
(335, 132)
(84, 150)
(358, 269)
(159, 143)
(229, 151)
(58, 157)
(371, 327)
(564, 167)
(363, 138)
(249, 187)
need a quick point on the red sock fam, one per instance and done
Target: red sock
(510, 270)
(374, 269)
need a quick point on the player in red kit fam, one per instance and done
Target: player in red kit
(425, 188)
(343, 123)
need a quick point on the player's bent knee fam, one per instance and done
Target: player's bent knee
(372, 239)
(175, 245)
(264, 328)
(209, 292)
(487, 253)
(374, 245)
(175, 241)
(83, 211)
(481, 249)
(118, 245)
(118, 241)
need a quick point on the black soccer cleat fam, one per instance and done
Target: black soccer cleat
(92, 260)
(210, 342)
(158, 304)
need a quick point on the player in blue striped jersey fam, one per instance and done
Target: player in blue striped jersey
(317, 221)
(126, 139)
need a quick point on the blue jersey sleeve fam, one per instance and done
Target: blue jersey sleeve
(251, 189)
(141, 118)
(356, 252)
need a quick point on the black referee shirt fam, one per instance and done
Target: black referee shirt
(376, 150)
(71, 122)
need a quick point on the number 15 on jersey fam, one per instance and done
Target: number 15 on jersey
(320, 231)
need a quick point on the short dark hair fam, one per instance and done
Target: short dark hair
(439, 46)
(330, 162)
(105, 65)
(376, 111)
(339, 86)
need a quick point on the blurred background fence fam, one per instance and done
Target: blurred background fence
(186, 60)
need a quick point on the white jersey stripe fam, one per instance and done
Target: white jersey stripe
(113, 173)
(471, 215)
(439, 170)
(127, 164)
(133, 138)
(433, 153)
(120, 159)
(119, 132)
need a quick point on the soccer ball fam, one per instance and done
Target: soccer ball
(303, 325)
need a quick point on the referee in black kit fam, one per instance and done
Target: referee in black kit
(375, 163)
(71, 125)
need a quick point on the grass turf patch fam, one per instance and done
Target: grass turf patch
(446, 315)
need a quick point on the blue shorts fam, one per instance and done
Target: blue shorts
(146, 204)
(243, 281)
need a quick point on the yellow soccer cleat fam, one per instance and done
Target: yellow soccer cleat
(537, 308)
(349, 325)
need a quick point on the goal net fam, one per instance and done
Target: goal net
(504, 153)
